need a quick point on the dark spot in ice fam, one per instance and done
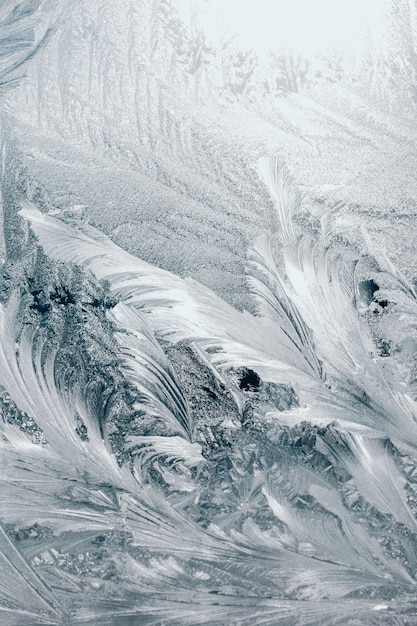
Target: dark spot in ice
(249, 381)
(384, 348)
(103, 303)
(63, 296)
(99, 540)
(40, 303)
(383, 303)
(367, 288)
(20, 535)
(210, 392)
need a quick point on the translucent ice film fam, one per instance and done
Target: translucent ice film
(208, 313)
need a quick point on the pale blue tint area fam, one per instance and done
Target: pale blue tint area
(208, 319)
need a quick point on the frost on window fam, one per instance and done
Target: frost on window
(208, 312)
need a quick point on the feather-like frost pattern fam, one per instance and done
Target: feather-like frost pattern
(24, 598)
(285, 193)
(182, 310)
(375, 475)
(312, 296)
(27, 373)
(147, 368)
(317, 546)
(282, 495)
(266, 282)
(20, 40)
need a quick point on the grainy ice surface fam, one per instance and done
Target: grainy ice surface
(208, 320)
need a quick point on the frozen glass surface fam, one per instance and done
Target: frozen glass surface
(208, 313)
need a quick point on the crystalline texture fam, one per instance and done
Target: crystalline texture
(207, 362)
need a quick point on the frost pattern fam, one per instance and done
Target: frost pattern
(180, 446)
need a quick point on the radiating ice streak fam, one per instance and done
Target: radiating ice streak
(172, 449)
(330, 535)
(157, 526)
(267, 284)
(308, 577)
(319, 537)
(182, 309)
(152, 522)
(322, 288)
(27, 373)
(252, 547)
(52, 485)
(216, 609)
(374, 473)
(145, 366)
(318, 287)
(19, 41)
(30, 380)
(386, 265)
(285, 193)
(41, 488)
(314, 305)
(22, 593)
(42, 485)
(172, 306)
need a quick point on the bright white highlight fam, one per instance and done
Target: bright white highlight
(304, 26)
